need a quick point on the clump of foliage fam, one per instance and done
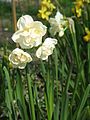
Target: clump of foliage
(55, 84)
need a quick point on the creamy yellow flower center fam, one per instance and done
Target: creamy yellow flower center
(37, 31)
(28, 40)
(18, 58)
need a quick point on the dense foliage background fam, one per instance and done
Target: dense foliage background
(57, 89)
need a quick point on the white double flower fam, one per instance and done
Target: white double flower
(19, 58)
(58, 24)
(29, 32)
(30, 35)
(46, 49)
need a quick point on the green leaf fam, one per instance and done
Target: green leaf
(56, 110)
(8, 103)
(65, 99)
(9, 83)
(31, 99)
(84, 99)
(20, 95)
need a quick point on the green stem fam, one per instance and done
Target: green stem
(10, 93)
(8, 102)
(20, 96)
(31, 98)
(88, 47)
(75, 48)
(56, 69)
(49, 94)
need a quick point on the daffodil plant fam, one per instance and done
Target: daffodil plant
(58, 24)
(43, 85)
(29, 35)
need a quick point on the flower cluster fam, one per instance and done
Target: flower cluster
(46, 9)
(19, 58)
(29, 35)
(79, 4)
(29, 32)
(46, 49)
(58, 24)
(78, 7)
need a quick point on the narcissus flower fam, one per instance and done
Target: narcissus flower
(79, 4)
(78, 7)
(48, 4)
(44, 14)
(87, 36)
(58, 24)
(46, 9)
(30, 32)
(78, 11)
(46, 49)
(19, 58)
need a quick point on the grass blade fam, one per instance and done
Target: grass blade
(9, 83)
(20, 95)
(85, 96)
(31, 98)
(65, 99)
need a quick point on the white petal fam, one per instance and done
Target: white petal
(28, 42)
(52, 21)
(22, 66)
(44, 57)
(38, 52)
(24, 21)
(16, 36)
(61, 33)
(50, 41)
(17, 50)
(38, 42)
(37, 29)
(29, 58)
(58, 17)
